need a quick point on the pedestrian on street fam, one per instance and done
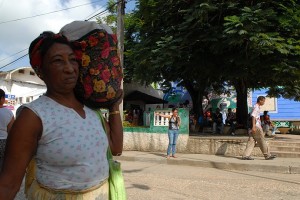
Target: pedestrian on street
(6, 122)
(256, 133)
(173, 131)
(57, 141)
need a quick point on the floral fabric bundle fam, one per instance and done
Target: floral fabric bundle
(100, 72)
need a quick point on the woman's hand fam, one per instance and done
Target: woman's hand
(115, 105)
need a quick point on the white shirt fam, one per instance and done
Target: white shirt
(256, 114)
(5, 117)
(71, 153)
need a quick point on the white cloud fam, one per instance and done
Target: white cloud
(16, 36)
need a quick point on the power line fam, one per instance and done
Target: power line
(14, 61)
(93, 13)
(107, 9)
(14, 20)
(13, 55)
(100, 13)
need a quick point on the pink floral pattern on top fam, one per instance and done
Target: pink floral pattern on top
(71, 153)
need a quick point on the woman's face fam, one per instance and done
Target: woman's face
(60, 68)
(175, 113)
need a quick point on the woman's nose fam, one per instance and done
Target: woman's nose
(69, 67)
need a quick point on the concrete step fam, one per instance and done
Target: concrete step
(284, 143)
(284, 154)
(291, 149)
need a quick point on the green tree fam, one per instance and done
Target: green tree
(261, 44)
(201, 44)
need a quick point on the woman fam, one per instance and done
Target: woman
(173, 132)
(65, 138)
(6, 121)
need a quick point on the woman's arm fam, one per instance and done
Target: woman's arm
(20, 148)
(10, 124)
(166, 116)
(114, 128)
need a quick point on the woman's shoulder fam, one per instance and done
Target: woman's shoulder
(42, 100)
(6, 111)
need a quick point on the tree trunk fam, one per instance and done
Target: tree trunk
(197, 99)
(242, 101)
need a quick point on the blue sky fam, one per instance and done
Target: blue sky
(15, 36)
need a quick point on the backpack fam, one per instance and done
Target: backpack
(100, 72)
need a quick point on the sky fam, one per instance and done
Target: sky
(17, 33)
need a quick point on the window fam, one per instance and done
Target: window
(21, 71)
(32, 73)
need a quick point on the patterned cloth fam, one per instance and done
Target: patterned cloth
(37, 192)
(100, 72)
(71, 153)
(35, 53)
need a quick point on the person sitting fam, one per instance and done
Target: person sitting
(218, 122)
(268, 127)
(208, 117)
(201, 123)
(231, 120)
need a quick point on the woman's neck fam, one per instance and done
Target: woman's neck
(68, 100)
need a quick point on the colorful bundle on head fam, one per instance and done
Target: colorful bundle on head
(100, 73)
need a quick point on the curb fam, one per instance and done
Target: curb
(217, 165)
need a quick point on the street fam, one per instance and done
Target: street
(155, 181)
(152, 181)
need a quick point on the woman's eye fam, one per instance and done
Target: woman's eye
(57, 61)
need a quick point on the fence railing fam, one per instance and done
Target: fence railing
(161, 121)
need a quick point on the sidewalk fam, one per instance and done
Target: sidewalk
(278, 165)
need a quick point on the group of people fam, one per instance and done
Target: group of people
(57, 142)
(216, 120)
(135, 116)
(255, 129)
(61, 144)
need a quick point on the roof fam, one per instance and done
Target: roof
(148, 99)
(135, 91)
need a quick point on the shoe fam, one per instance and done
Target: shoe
(168, 157)
(174, 156)
(271, 157)
(247, 158)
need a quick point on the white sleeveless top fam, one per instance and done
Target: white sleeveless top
(5, 117)
(71, 153)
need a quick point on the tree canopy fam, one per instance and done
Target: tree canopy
(213, 44)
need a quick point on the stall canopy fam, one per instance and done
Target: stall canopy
(148, 99)
(147, 94)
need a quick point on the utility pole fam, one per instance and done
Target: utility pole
(120, 37)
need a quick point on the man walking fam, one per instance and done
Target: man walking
(256, 133)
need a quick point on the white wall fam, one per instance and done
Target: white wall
(25, 86)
